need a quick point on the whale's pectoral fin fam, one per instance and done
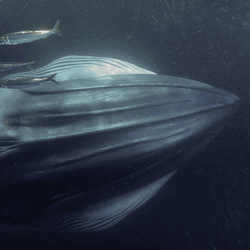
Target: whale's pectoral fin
(99, 216)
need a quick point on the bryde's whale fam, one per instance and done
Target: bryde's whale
(82, 155)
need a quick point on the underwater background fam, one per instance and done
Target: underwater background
(206, 205)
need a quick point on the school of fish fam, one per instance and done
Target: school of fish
(21, 37)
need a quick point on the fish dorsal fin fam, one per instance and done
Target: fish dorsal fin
(100, 216)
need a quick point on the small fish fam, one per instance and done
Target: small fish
(20, 83)
(5, 66)
(28, 36)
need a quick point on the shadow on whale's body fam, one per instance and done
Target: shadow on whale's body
(83, 155)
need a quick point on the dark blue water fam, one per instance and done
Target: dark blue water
(206, 205)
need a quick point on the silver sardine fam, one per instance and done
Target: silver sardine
(5, 66)
(19, 83)
(28, 36)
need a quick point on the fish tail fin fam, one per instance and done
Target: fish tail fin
(30, 63)
(56, 28)
(51, 78)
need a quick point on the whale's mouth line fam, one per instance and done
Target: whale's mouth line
(126, 85)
